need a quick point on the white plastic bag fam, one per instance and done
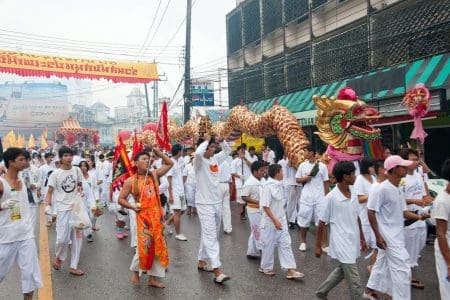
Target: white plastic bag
(79, 217)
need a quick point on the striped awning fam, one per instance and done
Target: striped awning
(72, 125)
(379, 84)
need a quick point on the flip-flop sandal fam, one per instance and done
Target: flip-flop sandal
(417, 284)
(221, 278)
(267, 272)
(295, 275)
(76, 272)
(205, 268)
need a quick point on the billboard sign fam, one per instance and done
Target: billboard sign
(202, 93)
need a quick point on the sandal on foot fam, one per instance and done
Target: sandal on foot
(295, 275)
(221, 278)
(267, 272)
(417, 284)
(204, 268)
(76, 272)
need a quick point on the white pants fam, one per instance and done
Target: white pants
(271, 238)
(133, 228)
(254, 240)
(189, 192)
(239, 195)
(441, 269)
(27, 258)
(210, 216)
(391, 273)
(157, 269)
(64, 234)
(54, 213)
(226, 211)
(105, 194)
(415, 241)
(293, 202)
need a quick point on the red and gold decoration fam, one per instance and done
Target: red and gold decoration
(418, 100)
(71, 132)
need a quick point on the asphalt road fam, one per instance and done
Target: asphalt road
(107, 260)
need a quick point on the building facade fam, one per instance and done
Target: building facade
(290, 50)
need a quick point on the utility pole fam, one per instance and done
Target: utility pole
(187, 65)
(220, 87)
(155, 100)
(146, 100)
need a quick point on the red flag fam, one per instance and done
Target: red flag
(137, 146)
(162, 132)
(122, 168)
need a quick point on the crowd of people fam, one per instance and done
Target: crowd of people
(381, 210)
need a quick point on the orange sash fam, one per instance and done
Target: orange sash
(150, 223)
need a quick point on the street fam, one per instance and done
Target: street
(106, 262)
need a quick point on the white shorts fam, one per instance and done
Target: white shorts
(306, 213)
(179, 202)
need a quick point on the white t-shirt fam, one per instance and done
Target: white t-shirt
(414, 188)
(89, 187)
(288, 173)
(17, 230)
(441, 211)
(313, 191)
(45, 171)
(207, 174)
(176, 172)
(251, 158)
(341, 214)
(252, 188)
(273, 197)
(389, 203)
(189, 172)
(225, 170)
(362, 187)
(239, 166)
(64, 183)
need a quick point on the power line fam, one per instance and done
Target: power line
(159, 24)
(150, 29)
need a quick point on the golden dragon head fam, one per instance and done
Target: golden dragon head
(344, 122)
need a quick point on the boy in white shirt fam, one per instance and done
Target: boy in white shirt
(17, 235)
(251, 194)
(341, 212)
(314, 177)
(293, 191)
(387, 209)
(274, 227)
(240, 169)
(45, 171)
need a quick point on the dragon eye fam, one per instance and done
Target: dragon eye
(357, 110)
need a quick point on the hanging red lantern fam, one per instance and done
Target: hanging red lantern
(95, 139)
(71, 138)
(150, 126)
(124, 135)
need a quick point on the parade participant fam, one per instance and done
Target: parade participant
(177, 201)
(16, 231)
(189, 186)
(101, 178)
(89, 196)
(251, 194)
(63, 186)
(314, 177)
(416, 198)
(341, 212)
(268, 155)
(106, 169)
(391, 273)
(240, 170)
(252, 157)
(151, 253)
(187, 155)
(209, 204)
(293, 191)
(441, 212)
(362, 187)
(274, 228)
(30, 176)
(224, 186)
(45, 171)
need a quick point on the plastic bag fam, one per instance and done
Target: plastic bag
(79, 217)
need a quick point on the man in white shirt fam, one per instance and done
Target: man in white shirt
(314, 176)
(30, 176)
(240, 169)
(391, 273)
(341, 212)
(177, 202)
(225, 181)
(252, 157)
(268, 155)
(209, 205)
(16, 234)
(63, 186)
(251, 194)
(441, 212)
(293, 191)
(45, 171)
(189, 186)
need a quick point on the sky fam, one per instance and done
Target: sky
(116, 30)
